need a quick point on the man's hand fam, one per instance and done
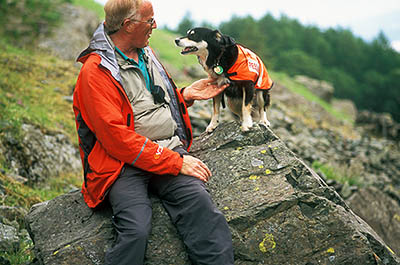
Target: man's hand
(202, 89)
(195, 167)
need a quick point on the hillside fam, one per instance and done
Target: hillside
(35, 104)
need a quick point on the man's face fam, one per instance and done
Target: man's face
(142, 29)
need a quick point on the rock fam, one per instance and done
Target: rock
(37, 155)
(381, 212)
(279, 211)
(73, 36)
(381, 124)
(322, 89)
(13, 214)
(9, 239)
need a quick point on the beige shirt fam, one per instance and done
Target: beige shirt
(153, 120)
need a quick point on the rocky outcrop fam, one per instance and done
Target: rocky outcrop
(381, 124)
(36, 154)
(357, 159)
(380, 211)
(279, 211)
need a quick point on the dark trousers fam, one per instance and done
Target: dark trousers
(201, 225)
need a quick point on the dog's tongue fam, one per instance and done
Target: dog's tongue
(188, 50)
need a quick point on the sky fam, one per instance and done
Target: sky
(365, 18)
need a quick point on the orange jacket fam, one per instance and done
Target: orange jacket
(107, 140)
(249, 66)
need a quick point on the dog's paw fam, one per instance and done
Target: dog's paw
(246, 125)
(265, 123)
(211, 127)
(246, 128)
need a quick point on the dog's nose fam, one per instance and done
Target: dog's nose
(177, 41)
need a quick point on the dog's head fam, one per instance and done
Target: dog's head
(202, 41)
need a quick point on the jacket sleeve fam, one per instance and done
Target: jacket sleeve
(103, 103)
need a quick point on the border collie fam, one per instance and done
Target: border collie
(230, 63)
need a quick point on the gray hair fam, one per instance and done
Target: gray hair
(118, 10)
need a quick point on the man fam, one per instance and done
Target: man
(134, 133)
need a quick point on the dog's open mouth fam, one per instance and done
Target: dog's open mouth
(189, 49)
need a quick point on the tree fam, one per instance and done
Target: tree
(297, 62)
(186, 24)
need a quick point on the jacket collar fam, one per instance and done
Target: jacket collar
(102, 45)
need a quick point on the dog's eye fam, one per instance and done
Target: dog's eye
(190, 32)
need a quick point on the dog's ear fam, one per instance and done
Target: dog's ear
(222, 39)
(218, 36)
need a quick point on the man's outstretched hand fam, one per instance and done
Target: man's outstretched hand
(202, 89)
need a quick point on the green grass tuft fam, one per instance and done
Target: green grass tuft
(338, 173)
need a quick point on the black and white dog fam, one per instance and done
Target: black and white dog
(230, 63)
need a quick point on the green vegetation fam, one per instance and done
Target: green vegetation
(32, 89)
(24, 20)
(339, 174)
(20, 195)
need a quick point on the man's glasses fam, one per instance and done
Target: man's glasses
(151, 21)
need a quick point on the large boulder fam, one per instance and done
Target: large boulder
(278, 209)
(380, 211)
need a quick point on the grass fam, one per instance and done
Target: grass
(20, 195)
(32, 89)
(306, 93)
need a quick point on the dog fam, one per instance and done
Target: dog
(230, 63)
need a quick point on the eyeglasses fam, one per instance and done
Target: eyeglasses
(151, 21)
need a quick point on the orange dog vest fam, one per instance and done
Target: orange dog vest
(249, 66)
